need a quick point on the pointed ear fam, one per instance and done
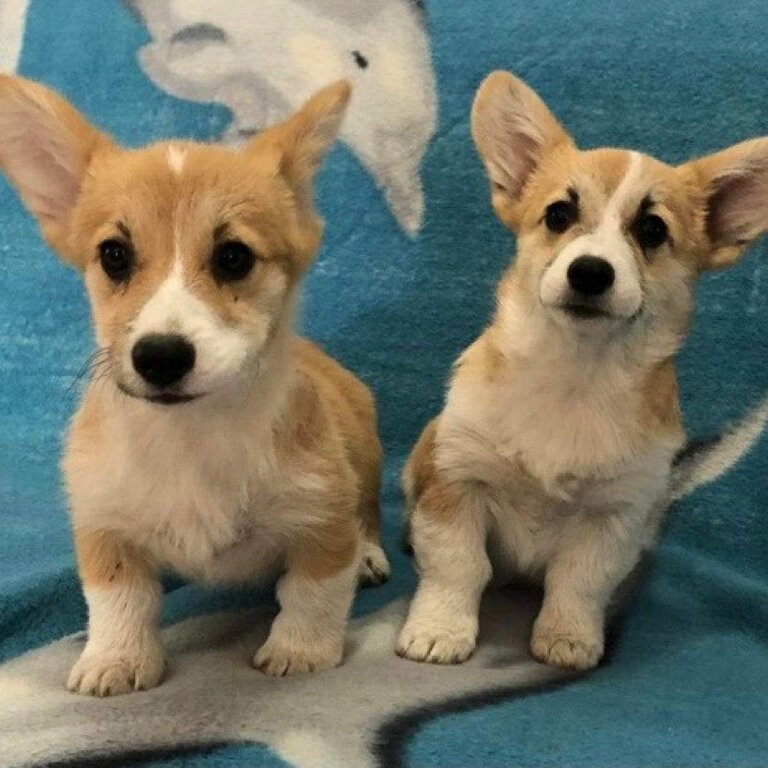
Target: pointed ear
(734, 186)
(298, 144)
(45, 149)
(512, 129)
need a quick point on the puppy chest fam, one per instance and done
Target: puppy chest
(531, 523)
(197, 528)
(196, 517)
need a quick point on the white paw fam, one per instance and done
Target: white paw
(561, 646)
(437, 646)
(117, 672)
(280, 657)
(374, 566)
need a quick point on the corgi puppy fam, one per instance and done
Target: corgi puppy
(211, 441)
(551, 459)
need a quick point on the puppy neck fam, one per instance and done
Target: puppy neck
(525, 332)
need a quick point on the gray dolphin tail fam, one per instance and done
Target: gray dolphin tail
(703, 461)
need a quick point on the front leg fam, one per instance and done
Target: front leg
(448, 531)
(123, 652)
(597, 554)
(315, 596)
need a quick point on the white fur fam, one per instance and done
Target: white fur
(220, 350)
(308, 633)
(454, 569)
(572, 488)
(176, 158)
(123, 652)
(607, 241)
(182, 481)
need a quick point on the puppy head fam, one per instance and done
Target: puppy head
(608, 236)
(190, 252)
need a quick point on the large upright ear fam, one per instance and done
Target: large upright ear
(734, 186)
(512, 129)
(298, 144)
(46, 147)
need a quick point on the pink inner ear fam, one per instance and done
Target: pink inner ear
(508, 143)
(43, 170)
(738, 210)
(516, 159)
(51, 189)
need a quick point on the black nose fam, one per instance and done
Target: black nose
(163, 359)
(590, 275)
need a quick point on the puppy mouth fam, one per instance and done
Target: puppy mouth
(159, 398)
(169, 398)
(581, 311)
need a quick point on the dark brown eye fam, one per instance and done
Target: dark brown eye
(560, 216)
(650, 231)
(116, 259)
(232, 260)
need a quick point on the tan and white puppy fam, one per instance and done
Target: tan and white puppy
(552, 457)
(212, 441)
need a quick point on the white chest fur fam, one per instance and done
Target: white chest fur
(203, 493)
(555, 446)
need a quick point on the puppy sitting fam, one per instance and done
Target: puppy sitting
(551, 459)
(211, 441)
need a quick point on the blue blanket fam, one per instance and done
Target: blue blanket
(405, 281)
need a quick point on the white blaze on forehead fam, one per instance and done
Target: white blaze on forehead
(173, 308)
(608, 241)
(624, 191)
(176, 156)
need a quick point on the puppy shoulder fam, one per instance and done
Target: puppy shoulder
(480, 364)
(331, 378)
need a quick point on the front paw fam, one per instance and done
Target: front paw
(281, 657)
(436, 645)
(563, 646)
(116, 672)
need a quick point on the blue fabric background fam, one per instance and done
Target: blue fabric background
(688, 683)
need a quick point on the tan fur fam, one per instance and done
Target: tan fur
(552, 456)
(104, 559)
(419, 471)
(354, 412)
(275, 462)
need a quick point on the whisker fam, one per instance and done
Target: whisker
(96, 367)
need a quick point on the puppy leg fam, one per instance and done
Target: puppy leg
(448, 530)
(579, 583)
(374, 565)
(315, 596)
(123, 652)
(366, 461)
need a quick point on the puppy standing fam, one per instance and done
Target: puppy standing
(212, 441)
(552, 456)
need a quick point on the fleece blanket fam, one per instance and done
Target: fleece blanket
(404, 281)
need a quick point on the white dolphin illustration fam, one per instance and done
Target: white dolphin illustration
(262, 59)
(13, 14)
